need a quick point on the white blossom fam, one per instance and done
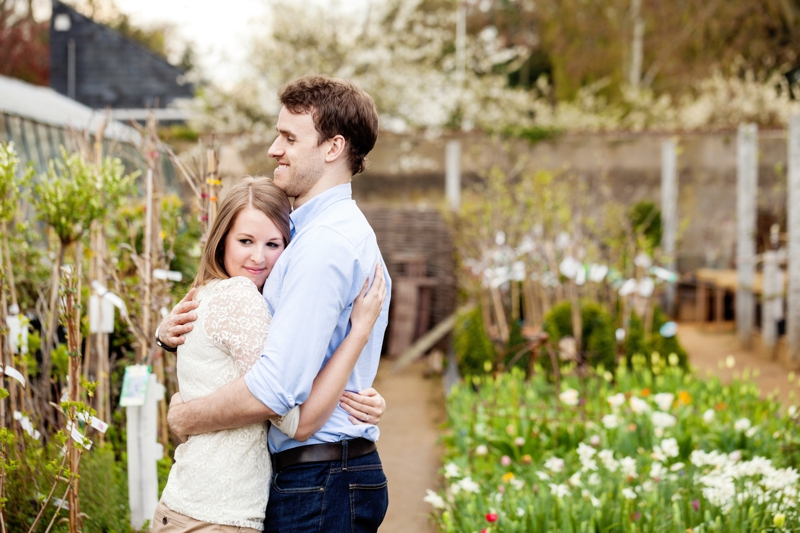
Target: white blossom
(628, 466)
(670, 447)
(481, 450)
(663, 420)
(554, 464)
(569, 397)
(607, 458)
(638, 405)
(677, 467)
(610, 421)
(616, 401)
(451, 470)
(743, 424)
(628, 493)
(708, 416)
(664, 400)
(560, 490)
(657, 470)
(434, 499)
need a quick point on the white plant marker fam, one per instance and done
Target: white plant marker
(143, 452)
(669, 213)
(793, 226)
(453, 174)
(746, 192)
(772, 297)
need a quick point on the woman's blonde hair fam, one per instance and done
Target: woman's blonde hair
(259, 193)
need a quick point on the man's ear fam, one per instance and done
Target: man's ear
(335, 148)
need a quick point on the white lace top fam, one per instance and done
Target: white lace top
(223, 477)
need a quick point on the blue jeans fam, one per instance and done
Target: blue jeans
(348, 495)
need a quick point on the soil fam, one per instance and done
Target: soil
(408, 444)
(709, 346)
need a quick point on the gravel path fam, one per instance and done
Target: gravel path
(708, 347)
(408, 445)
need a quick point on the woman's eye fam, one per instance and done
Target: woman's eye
(273, 244)
(245, 241)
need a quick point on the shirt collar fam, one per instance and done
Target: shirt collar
(306, 212)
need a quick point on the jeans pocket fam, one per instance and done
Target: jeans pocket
(311, 477)
(369, 499)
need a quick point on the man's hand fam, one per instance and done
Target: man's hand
(179, 321)
(172, 417)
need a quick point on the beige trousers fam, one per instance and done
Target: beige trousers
(168, 521)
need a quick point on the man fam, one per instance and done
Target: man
(334, 481)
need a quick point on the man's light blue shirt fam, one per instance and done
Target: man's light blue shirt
(310, 293)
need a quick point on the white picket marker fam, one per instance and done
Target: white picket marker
(14, 373)
(793, 227)
(171, 275)
(746, 197)
(144, 451)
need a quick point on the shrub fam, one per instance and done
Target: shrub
(598, 341)
(474, 349)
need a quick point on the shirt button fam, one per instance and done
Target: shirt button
(164, 520)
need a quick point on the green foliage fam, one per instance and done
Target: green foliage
(11, 181)
(598, 341)
(76, 192)
(103, 488)
(104, 491)
(474, 349)
(532, 134)
(636, 342)
(646, 222)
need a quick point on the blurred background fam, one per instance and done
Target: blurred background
(581, 176)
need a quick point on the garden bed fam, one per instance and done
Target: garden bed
(641, 450)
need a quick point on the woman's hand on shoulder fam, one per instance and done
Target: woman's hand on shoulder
(367, 306)
(365, 407)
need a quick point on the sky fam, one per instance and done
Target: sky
(220, 30)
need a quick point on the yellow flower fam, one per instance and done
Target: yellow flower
(684, 397)
(779, 520)
(508, 476)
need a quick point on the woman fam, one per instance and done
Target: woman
(220, 481)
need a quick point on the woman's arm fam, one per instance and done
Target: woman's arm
(332, 379)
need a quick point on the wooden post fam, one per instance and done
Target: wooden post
(701, 307)
(771, 299)
(669, 214)
(213, 182)
(453, 174)
(793, 228)
(719, 304)
(147, 275)
(746, 192)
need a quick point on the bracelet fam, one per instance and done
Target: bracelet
(162, 345)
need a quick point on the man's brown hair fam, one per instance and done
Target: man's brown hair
(338, 107)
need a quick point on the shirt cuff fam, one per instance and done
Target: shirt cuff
(267, 390)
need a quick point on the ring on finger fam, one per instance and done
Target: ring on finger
(367, 419)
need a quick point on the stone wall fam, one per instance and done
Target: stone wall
(406, 170)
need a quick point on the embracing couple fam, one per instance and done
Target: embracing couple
(302, 356)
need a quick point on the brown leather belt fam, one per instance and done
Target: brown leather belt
(318, 453)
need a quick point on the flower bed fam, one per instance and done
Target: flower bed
(644, 452)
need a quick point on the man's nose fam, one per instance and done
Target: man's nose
(275, 150)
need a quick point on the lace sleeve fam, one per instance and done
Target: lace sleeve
(238, 320)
